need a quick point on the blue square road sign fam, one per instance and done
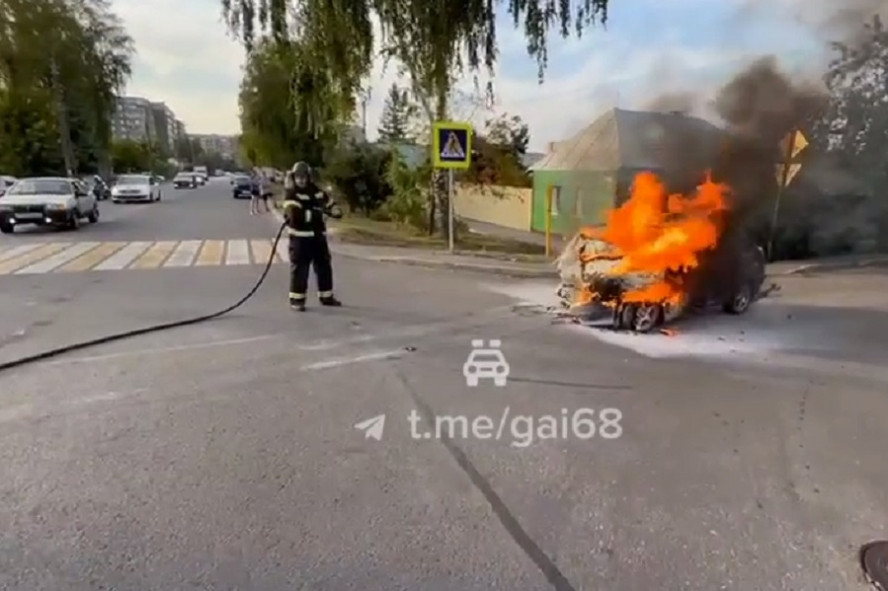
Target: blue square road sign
(452, 144)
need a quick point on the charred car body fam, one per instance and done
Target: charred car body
(729, 277)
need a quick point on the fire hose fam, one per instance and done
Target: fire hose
(153, 328)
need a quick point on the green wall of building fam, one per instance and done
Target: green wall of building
(584, 199)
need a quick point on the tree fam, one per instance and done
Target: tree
(510, 133)
(434, 41)
(857, 122)
(359, 174)
(397, 115)
(129, 156)
(280, 123)
(498, 154)
(61, 63)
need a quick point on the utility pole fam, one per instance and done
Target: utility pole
(64, 126)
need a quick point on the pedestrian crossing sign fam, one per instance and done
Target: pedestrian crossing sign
(452, 144)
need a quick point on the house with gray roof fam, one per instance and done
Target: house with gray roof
(591, 172)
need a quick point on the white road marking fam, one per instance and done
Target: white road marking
(238, 253)
(393, 354)
(162, 350)
(59, 259)
(124, 257)
(184, 254)
(19, 250)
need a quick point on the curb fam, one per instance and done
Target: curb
(832, 266)
(456, 266)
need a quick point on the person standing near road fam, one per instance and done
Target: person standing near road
(260, 191)
(305, 207)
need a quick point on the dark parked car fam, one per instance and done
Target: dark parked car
(243, 187)
(729, 277)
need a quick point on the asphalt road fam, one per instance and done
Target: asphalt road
(224, 455)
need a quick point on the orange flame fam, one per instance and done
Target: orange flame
(660, 234)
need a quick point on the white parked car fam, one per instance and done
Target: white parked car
(47, 201)
(136, 187)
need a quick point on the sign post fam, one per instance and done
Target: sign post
(791, 146)
(452, 150)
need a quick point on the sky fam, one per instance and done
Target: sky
(186, 58)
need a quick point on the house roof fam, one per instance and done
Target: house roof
(628, 139)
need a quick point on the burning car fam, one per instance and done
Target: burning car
(660, 255)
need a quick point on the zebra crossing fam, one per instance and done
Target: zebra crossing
(70, 257)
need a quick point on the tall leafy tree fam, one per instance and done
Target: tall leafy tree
(62, 61)
(397, 114)
(280, 124)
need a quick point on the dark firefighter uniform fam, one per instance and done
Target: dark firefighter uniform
(305, 208)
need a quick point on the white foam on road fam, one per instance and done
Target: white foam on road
(713, 336)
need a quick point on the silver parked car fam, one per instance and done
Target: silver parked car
(47, 201)
(136, 187)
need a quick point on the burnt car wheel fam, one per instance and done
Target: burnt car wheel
(647, 317)
(741, 301)
(624, 316)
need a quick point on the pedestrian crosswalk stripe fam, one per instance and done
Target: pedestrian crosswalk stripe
(237, 253)
(211, 253)
(66, 257)
(184, 254)
(58, 259)
(154, 256)
(12, 252)
(122, 258)
(38, 254)
(92, 258)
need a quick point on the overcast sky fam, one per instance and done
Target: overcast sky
(650, 47)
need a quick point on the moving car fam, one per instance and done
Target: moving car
(242, 187)
(47, 201)
(5, 183)
(184, 180)
(136, 187)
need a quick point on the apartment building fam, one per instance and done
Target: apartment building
(134, 120)
(141, 120)
(224, 145)
(165, 127)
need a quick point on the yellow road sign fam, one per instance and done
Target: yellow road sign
(799, 143)
(452, 144)
(790, 171)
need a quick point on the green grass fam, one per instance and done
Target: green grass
(361, 230)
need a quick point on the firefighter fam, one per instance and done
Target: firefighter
(305, 207)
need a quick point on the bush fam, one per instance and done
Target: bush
(407, 204)
(359, 174)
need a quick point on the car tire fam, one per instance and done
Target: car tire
(74, 222)
(624, 316)
(647, 318)
(93, 216)
(740, 302)
(159, 196)
(7, 228)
